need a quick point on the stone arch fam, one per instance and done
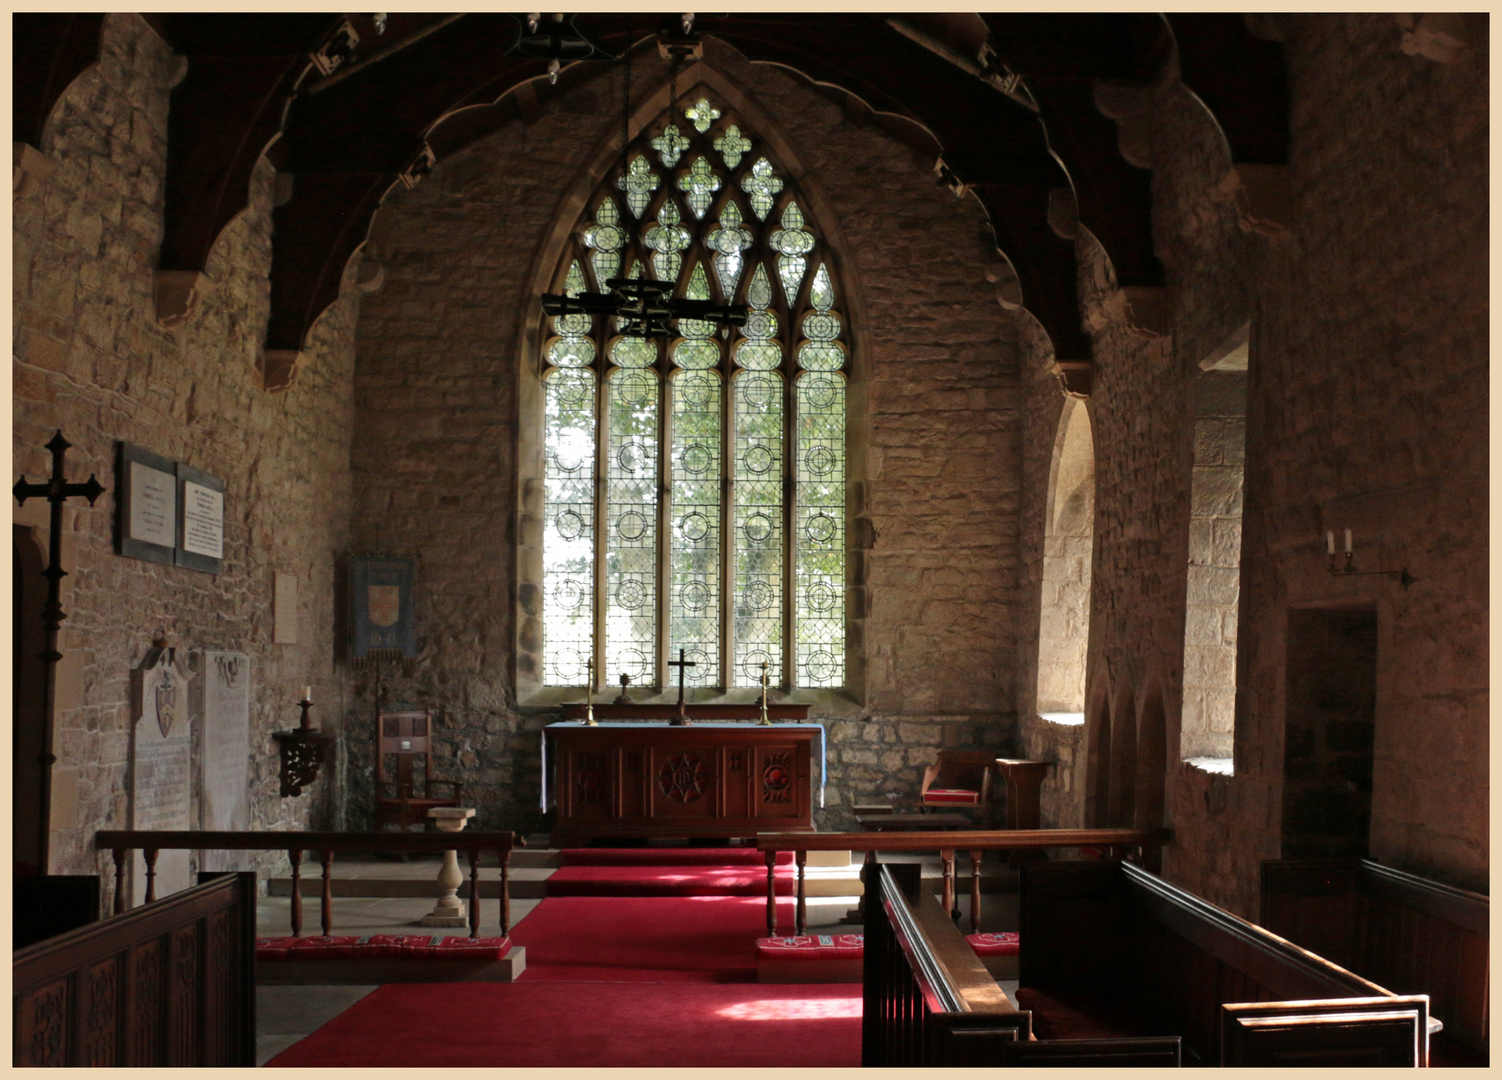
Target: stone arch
(1068, 539)
(1152, 758)
(1121, 800)
(1098, 755)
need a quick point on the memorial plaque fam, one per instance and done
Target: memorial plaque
(160, 766)
(223, 686)
(200, 500)
(146, 505)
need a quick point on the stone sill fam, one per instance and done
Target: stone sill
(824, 702)
(1063, 719)
(1216, 766)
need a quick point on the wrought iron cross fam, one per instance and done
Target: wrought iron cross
(682, 718)
(57, 490)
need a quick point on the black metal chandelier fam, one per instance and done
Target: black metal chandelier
(645, 306)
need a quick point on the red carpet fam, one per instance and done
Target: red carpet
(532, 1025)
(667, 881)
(664, 939)
(666, 856)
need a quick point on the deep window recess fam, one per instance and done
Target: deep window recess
(695, 486)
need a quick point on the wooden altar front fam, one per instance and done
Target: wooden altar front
(707, 780)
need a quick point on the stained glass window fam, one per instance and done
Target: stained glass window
(695, 486)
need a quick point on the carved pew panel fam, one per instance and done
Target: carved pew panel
(168, 984)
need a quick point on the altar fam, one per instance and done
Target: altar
(654, 779)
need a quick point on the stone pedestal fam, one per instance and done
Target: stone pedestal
(449, 911)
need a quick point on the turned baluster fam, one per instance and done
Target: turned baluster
(295, 856)
(949, 898)
(150, 855)
(474, 892)
(505, 892)
(975, 857)
(121, 855)
(771, 894)
(802, 857)
(326, 856)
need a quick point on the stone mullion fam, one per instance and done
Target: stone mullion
(664, 511)
(601, 369)
(727, 524)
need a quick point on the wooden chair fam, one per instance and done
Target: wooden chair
(406, 737)
(959, 778)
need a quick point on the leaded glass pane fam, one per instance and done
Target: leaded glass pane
(696, 354)
(758, 527)
(819, 542)
(759, 295)
(633, 352)
(670, 145)
(571, 351)
(573, 325)
(813, 356)
(761, 186)
(732, 146)
(605, 238)
(702, 114)
(821, 295)
(699, 185)
(759, 355)
(668, 240)
(728, 240)
(631, 526)
(638, 183)
(568, 535)
(793, 242)
(696, 549)
(698, 289)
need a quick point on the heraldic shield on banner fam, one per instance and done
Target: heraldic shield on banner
(383, 620)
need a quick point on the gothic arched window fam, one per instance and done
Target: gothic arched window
(695, 485)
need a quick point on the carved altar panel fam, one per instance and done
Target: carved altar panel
(645, 780)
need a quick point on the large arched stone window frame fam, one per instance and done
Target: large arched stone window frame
(1068, 539)
(812, 318)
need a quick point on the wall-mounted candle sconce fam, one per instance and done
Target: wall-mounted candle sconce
(1349, 567)
(303, 750)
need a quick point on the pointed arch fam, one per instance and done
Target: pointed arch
(697, 541)
(1068, 541)
(1121, 803)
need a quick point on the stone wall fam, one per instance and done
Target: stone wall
(90, 359)
(934, 387)
(1366, 405)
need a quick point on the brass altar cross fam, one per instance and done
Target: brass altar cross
(681, 720)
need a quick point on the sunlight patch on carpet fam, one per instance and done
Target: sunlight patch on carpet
(794, 1009)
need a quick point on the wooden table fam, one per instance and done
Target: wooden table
(706, 780)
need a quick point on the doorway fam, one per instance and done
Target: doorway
(28, 727)
(1329, 729)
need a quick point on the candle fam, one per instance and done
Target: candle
(307, 693)
(1348, 541)
(1330, 542)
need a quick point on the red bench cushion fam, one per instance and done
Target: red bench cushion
(1006, 943)
(811, 947)
(951, 795)
(383, 947)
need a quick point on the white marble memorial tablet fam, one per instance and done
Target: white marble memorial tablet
(153, 505)
(203, 520)
(224, 691)
(160, 768)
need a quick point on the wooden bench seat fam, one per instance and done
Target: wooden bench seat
(1172, 963)
(1410, 934)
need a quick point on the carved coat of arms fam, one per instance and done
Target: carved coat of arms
(162, 687)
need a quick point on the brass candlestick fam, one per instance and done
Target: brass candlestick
(589, 697)
(765, 719)
(624, 698)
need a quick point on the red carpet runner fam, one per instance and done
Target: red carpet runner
(610, 983)
(668, 872)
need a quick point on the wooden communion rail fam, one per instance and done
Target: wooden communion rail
(976, 842)
(123, 842)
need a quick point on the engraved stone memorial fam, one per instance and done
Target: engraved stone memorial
(160, 764)
(223, 693)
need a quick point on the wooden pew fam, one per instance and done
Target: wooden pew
(1405, 932)
(168, 984)
(929, 1001)
(1110, 942)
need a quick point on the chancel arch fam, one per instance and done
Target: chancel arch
(1068, 535)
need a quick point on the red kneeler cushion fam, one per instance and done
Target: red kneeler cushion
(383, 947)
(811, 947)
(1006, 943)
(951, 795)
